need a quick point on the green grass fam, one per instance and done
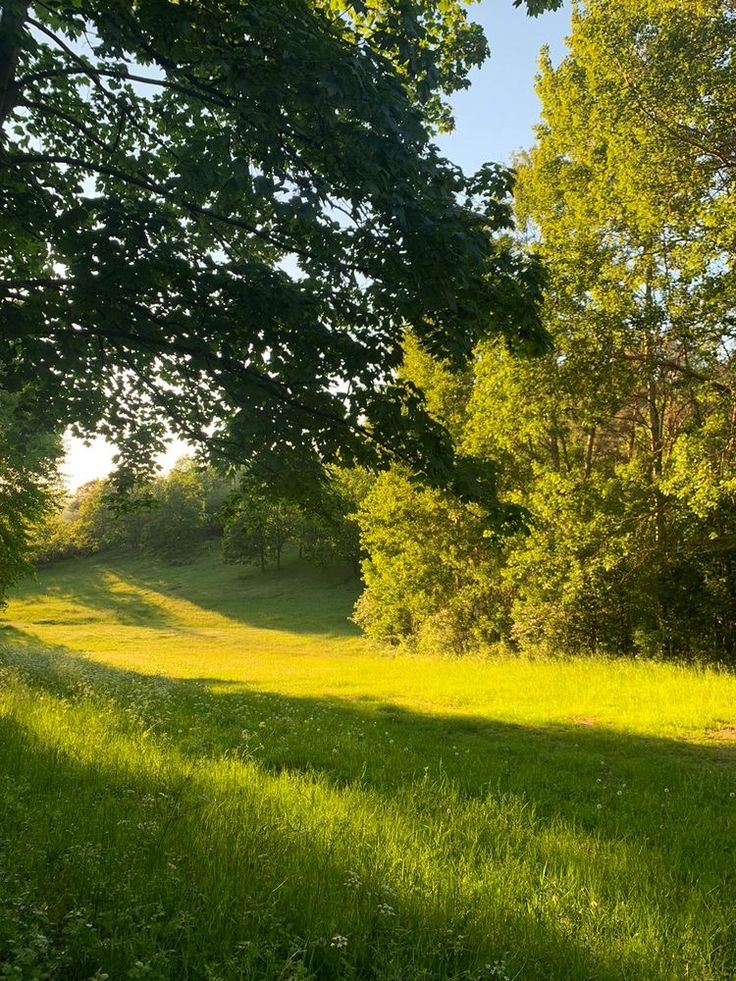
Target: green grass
(206, 773)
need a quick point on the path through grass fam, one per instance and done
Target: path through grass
(208, 774)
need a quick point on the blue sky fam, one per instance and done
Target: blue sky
(494, 118)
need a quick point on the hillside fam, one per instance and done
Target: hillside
(205, 772)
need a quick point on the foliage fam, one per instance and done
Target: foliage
(330, 529)
(628, 214)
(426, 571)
(620, 443)
(217, 488)
(258, 525)
(172, 517)
(204, 772)
(28, 485)
(536, 7)
(176, 522)
(229, 237)
(169, 517)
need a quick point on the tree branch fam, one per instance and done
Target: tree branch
(21, 159)
(14, 13)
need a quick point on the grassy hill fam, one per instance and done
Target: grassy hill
(207, 773)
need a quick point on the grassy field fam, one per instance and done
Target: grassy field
(206, 773)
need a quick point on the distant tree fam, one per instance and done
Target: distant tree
(166, 517)
(132, 512)
(94, 525)
(217, 488)
(258, 525)
(85, 523)
(176, 523)
(330, 530)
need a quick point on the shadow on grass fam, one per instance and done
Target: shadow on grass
(251, 899)
(114, 596)
(170, 877)
(479, 754)
(666, 799)
(284, 599)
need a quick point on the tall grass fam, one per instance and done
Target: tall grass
(209, 775)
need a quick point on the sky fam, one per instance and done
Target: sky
(493, 119)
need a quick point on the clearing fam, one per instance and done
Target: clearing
(205, 772)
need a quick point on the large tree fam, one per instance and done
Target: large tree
(630, 190)
(621, 442)
(222, 216)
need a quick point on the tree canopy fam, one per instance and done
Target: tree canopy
(620, 442)
(222, 218)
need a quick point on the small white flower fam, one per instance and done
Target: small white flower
(339, 942)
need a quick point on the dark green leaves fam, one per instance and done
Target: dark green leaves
(536, 7)
(224, 218)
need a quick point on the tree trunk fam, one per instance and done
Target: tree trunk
(14, 13)
(655, 416)
(554, 446)
(590, 443)
(565, 455)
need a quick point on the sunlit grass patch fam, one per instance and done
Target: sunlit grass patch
(221, 796)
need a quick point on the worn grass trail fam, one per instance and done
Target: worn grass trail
(208, 774)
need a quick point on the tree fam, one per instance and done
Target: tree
(176, 523)
(222, 217)
(620, 443)
(258, 525)
(217, 488)
(28, 486)
(431, 571)
(166, 517)
(629, 216)
(330, 529)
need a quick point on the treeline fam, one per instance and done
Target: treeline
(620, 444)
(175, 515)
(171, 517)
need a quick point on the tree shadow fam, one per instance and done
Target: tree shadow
(253, 899)
(166, 596)
(320, 603)
(110, 595)
(663, 796)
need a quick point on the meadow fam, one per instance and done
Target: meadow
(206, 773)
